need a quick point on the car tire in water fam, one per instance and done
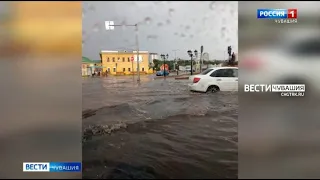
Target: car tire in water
(213, 89)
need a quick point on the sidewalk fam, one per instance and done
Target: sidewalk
(176, 77)
(184, 76)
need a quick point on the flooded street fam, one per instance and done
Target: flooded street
(157, 129)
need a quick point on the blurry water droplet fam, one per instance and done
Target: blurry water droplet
(187, 27)
(223, 32)
(123, 25)
(212, 5)
(232, 12)
(182, 35)
(222, 7)
(223, 29)
(176, 34)
(171, 12)
(96, 27)
(84, 35)
(160, 24)
(84, 12)
(191, 36)
(91, 7)
(168, 21)
(150, 37)
(147, 20)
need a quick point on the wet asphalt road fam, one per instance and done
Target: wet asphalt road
(157, 129)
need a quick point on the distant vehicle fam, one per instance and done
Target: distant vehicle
(162, 73)
(215, 79)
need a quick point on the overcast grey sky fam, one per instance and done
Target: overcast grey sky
(165, 26)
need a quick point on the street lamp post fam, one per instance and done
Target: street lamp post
(175, 58)
(110, 26)
(201, 58)
(191, 55)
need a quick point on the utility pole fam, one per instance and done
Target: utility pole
(110, 26)
(201, 59)
(138, 61)
(175, 58)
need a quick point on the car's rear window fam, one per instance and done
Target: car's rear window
(206, 71)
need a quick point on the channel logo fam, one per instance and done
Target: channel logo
(52, 167)
(277, 13)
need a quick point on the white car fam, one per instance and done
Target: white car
(215, 79)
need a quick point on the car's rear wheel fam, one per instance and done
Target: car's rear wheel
(213, 89)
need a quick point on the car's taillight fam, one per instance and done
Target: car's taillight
(196, 79)
(250, 63)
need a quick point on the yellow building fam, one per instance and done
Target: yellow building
(120, 62)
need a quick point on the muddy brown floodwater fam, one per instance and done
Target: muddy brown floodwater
(157, 129)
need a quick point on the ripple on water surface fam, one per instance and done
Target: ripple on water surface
(158, 129)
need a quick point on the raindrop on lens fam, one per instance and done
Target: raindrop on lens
(171, 12)
(91, 7)
(123, 25)
(96, 27)
(212, 5)
(150, 37)
(160, 24)
(168, 21)
(147, 20)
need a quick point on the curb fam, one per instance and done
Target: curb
(181, 78)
